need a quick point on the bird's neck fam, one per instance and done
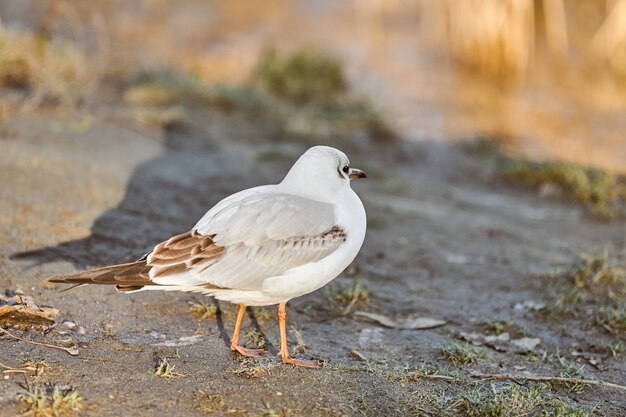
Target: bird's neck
(312, 189)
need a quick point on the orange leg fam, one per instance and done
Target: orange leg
(284, 350)
(234, 341)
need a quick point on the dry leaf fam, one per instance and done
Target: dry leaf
(495, 342)
(529, 305)
(419, 323)
(502, 342)
(21, 315)
(357, 355)
(72, 350)
(594, 359)
(20, 311)
(526, 344)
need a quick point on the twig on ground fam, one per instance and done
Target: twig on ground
(419, 374)
(358, 355)
(349, 307)
(71, 350)
(301, 346)
(24, 370)
(533, 378)
(538, 378)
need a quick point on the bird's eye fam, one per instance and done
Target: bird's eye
(345, 169)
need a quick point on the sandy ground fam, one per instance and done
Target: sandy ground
(444, 241)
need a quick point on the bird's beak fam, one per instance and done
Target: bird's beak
(356, 173)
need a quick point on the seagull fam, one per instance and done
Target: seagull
(261, 246)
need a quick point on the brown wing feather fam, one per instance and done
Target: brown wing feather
(184, 251)
(172, 256)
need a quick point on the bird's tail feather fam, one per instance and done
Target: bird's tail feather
(126, 277)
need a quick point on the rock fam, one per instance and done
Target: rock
(371, 337)
(417, 323)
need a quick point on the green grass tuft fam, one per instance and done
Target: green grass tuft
(595, 284)
(570, 369)
(304, 92)
(347, 296)
(603, 193)
(203, 310)
(51, 400)
(599, 191)
(505, 326)
(254, 339)
(311, 92)
(262, 314)
(301, 77)
(611, 319)
(514, 401)
(165, 370)
(462, 354)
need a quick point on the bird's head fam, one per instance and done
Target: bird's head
(322, 169)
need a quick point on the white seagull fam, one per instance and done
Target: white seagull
(258, 247)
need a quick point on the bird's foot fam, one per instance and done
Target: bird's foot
(303, 363)
(248, 352)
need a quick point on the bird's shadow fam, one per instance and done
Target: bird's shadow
(225, 336)
(163, 197)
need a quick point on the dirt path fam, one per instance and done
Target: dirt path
(442, 242)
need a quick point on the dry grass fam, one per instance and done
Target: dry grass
(433, 372)
(214, 404)
(612, 319)
(51, 400)
(165, 370)
(609, 43)
(599, 279)
(491, 401)
(505, 326)
(254, 339)
(162, 88)
(253, 369)
(168, 88)
(203, 310)
(49, 71)
(357, 291)
(595, 288)
(570, 369)
(462, 396)
(501, 38)
(305, 92)
(347, 297)
(263, 314)
(494, 36)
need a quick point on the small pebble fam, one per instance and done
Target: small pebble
(70, 325)
(352, 271)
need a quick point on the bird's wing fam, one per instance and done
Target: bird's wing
(241, 242)
(257, 218)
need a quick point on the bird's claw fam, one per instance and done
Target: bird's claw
(248, 352)
(303, 363)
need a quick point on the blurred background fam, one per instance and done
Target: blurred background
(494, 136)
(546, 76)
